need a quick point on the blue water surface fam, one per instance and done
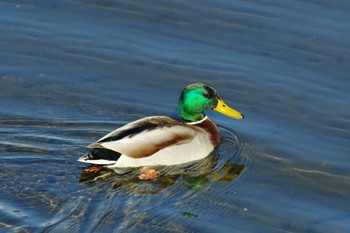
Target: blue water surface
(71, 71)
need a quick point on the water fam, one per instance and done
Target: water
(71, 71)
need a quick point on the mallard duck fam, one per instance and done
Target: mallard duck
(160, 140)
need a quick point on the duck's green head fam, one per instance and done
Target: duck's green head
(198, 97)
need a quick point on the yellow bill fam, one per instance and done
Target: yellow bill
(226, 110)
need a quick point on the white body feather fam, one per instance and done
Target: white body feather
(199, 148)
(192, 144)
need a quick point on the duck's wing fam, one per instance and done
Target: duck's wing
(146, 136)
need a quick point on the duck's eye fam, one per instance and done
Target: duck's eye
(206, 95)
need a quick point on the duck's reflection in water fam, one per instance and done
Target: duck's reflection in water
(193, 176)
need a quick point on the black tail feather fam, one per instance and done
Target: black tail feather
(100, 153)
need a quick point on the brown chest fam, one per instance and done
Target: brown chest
(209, 126)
